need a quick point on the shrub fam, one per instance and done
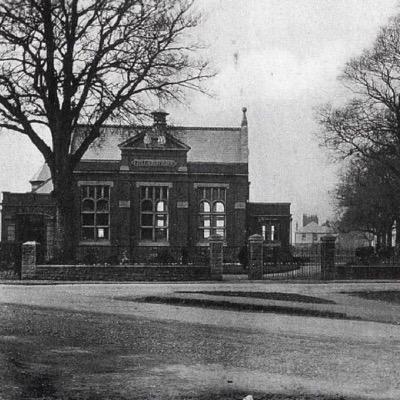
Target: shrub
(243, 257)
(163, 257)
(366, 255)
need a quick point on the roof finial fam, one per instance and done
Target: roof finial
(244, 119)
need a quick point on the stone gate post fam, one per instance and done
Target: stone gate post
(256, 257)
(29, 259)
(216, 257)
(328, 270)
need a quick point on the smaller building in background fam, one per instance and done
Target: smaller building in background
(311, 234)
(307, 218)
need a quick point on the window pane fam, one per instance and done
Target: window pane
(161, 220)
(106, 191)
(88, 233)
(205, 207)
(147, 234)
(161, 206)
(99, 192)
(88, 205)
(102, 219)
(91, 191)
(84, 192)
(88, 219)
(102, 233)
(220, 222)
(205, 221)
(219, 207)
(142, 192)
(220, 232)
(102, 205)
(206, 233)
(147, 205)
(157, 193)
(11, 233)
(161, 235)
(150, 192)
(147, 220)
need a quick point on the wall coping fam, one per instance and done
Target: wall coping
(256, 238)
(120, 266)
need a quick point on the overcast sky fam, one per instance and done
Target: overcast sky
(280, 59)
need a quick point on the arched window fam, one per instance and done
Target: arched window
(161, 206)
(95, 212)
(212, 218)
(154, 213)
(219, 207)
(88, 205)
(205, 207)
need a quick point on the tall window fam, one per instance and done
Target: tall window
(154, 213)
(95, 212)
(270, 231)
(212, 214)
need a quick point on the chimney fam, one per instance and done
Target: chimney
(159, 117)
(244, 140)
(244, 118)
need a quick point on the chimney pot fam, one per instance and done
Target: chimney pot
(159, 117)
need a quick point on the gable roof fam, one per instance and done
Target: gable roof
(43, 178)
(137, 142)
(207, 144)
(313, 227)
(42, 174)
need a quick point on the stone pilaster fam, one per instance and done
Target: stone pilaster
(216, 257)
(29, 258)
(256, 257)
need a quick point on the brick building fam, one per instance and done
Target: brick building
(146, 189)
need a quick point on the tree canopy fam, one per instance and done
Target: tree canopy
(365, 131)
(368, 125)
(368, 198)
(65, 62)
(69, 61)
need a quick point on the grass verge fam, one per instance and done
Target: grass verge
(226, 305)
(298, 298)
(388, 296)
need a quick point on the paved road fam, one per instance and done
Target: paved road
(274, 353)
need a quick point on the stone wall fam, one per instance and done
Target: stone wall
(31, 270)
(121, 273)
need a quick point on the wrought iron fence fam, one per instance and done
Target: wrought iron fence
(297, 263)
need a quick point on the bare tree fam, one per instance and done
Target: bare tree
(369, 124)
(63, 62)
(368, 199)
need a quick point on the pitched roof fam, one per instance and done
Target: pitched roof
(313, 227)
(42, 174)
(43, 180)
(207, 144)
(46, 188)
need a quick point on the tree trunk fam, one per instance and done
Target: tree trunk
(389, 238)
(378, 241)
(65, 218)
(397, 232)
